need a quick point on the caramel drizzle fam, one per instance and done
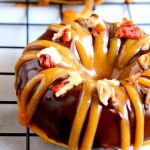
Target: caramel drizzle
(81, 114)
(125, 129)
(139, 112)
(45, 78)
(130, 48)
(102, 58)
(92, 124)
(144, 81)
(82, 54)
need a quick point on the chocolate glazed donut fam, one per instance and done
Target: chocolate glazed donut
(86, 84)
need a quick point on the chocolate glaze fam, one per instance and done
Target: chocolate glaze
(55, 115)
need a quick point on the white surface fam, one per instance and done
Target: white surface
(112, 13)
(12, 143)
(12, 35)
(33, 34)
(143, 14)
(10, 120)
(42, 145)
(49, 14)
(7, 92)
(9, 58)
(15, 35)
(12, 13)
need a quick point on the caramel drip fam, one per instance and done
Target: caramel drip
(146, 143)
(112, 53)
(128, 1)
(88, 6)
(139, 113)
(87, 2)
(124, 120)
(80, 31)
(125, 129)
(62, 49)
(98, 1)
(144, 81)
(134, 67)
(128, 70)
(93, 121)
(88, 62)
(81, 114)
(146, 73)
(100, 55)
(45, 2)
(129, 49)
(45, 77)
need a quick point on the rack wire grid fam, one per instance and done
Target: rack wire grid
(20, 25)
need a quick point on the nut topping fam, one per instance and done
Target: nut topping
(63, 34)
(144, 61)
(133, 79)
(58, 87)
(129, 30)
(73, 80)
(98, 29)
(45, 61)
(92, 20)
(49, 57)
(106, 90)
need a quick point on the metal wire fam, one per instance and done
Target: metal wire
(27, 24)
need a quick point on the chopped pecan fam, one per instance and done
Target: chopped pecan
(129, 30)
(63, 34)
(106, 91)
(59, 86)
(92, 20)
(133, 79)
(98, 29)
(144, 61)
(66, 37)
(73, 80)
(49, 57)
(45, 61)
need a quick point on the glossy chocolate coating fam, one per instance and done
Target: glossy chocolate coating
(55, 115)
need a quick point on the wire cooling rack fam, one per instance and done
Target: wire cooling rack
(20, 25)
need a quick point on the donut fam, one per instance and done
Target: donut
(85, 84)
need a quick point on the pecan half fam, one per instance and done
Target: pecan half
(129, 30)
